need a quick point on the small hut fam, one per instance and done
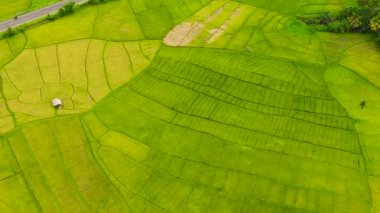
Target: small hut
(57, 103)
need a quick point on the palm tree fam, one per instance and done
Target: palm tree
(354, 21)
(374, 23)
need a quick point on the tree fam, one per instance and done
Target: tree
(354, 21)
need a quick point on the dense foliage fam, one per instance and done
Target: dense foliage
(9, 33)
(66, 9)
(365, 18)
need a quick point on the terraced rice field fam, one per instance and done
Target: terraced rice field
(191, 106)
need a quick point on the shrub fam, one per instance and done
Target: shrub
(9, 33)
(338, 26)
(325, 19)
(66, 9)
(51, 17)
(346, 13)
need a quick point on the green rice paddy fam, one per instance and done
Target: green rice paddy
(190, 106)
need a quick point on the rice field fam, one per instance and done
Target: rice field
(189, 106)
(80, 72)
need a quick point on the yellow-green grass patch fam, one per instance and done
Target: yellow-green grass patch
(49, 154)
(48, 60)
(227, 24)
(128, 146)
(194, 101)
(364, 59)
(117, 64)
(15, 196)
(351, 89)
(10, 8)
(118, 25)
(24, 71)
(17, 43)
(334, 45)
(80, 73)
(76, 26)
(149, 48)
(40, 3)
(138, 60)
(97, 80)
(251, 128)
(157, 18)
(301, 8)
(71, 59)
(5, 52)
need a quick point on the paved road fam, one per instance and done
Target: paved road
(22, 19)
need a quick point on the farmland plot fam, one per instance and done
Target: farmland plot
(241, 109)
(81, 73)
(286, 150)
(294, 7)
(129, 21)
(230, 25)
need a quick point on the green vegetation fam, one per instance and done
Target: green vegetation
(9, 33)
(81, 73)
(67, 9)
(363, 19)
(190, 106)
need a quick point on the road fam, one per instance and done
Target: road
(25, 18)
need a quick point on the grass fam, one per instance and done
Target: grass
(189, 106)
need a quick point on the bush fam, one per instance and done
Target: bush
(66, 9)
(51, 17)
(338, 26)
(325, 19)
(346, 13)
(9, 33)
